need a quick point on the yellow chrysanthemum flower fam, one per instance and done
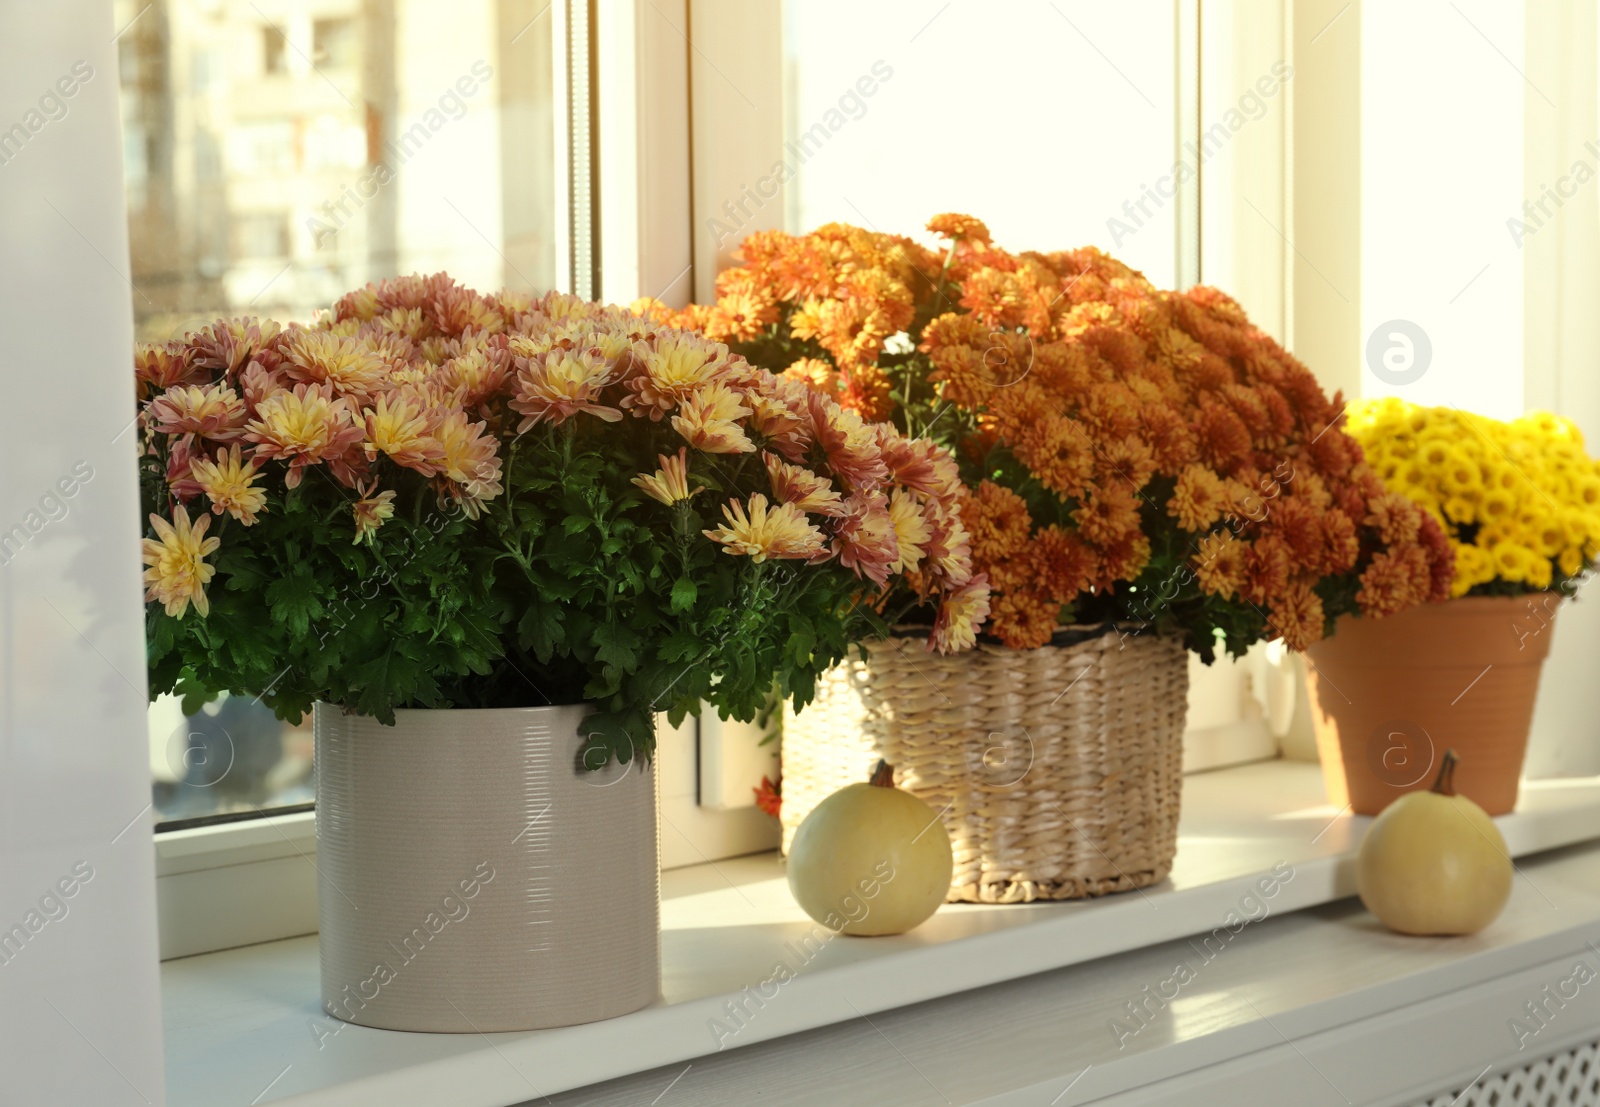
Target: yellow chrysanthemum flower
(1519, 501)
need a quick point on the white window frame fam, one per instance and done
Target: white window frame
(690, 111)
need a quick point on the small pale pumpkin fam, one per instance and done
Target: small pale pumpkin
(1434, 862)
(870, 859)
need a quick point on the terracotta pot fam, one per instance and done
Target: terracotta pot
(1389, 696)
(473, 877)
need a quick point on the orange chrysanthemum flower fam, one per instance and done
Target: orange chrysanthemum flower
(951, 225)
(1077, 395)
(1219, 565)
(998, 521)
(1198, 500)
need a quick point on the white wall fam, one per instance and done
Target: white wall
(1561, 266)
(79, 1011)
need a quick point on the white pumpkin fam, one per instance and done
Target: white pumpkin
(1434, 862)
(870, 859)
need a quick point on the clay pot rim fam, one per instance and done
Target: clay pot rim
(1367, 641)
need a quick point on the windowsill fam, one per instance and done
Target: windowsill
(242, 1019)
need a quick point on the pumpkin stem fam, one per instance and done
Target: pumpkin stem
(1445, 785)
(883, 775)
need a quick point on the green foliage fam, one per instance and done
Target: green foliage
(570, 587)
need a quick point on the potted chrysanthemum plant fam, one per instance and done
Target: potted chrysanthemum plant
(1145, 471)
(485, 539)
(1519, 503)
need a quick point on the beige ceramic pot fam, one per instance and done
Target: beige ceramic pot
(474, 877)
(1389, 696)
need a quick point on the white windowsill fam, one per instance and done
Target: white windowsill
(242, 1019)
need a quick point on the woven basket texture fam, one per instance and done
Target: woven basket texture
(1057, 771)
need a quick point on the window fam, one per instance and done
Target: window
(274, 51)
(1062, 124)
(880, 132)
(354, 141)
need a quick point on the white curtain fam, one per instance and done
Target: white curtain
(79, 1006)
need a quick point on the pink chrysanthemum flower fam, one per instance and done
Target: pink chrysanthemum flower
(230, 483)
(158, 368)
(919, 464)
(212, 411)
(259, 383)
(670, 483)
(348, 364)
(795, 484)
(177, 572)
(371, 511)
(401, 427)
(911, 530)
(180, 474)
(556, 385)
(781, 532)
(304, 427)
(469, 460)
(865, 538)
(478, 374)
(949, 554)
(675, 368)
(960, 615)
(850, 445)
(709, 421)
(229, 344)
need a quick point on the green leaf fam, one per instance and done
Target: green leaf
(683, 594)
(679, 646)
(293, 601)
(615, 645)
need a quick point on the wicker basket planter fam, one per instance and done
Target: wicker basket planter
(1057, 770)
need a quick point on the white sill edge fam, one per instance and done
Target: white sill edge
(965, 947)
(213, 847)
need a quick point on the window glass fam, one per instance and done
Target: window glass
(1054, 123)
(280, 153)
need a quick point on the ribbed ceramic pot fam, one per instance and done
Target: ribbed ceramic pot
(473, 876)
(1389, 696)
